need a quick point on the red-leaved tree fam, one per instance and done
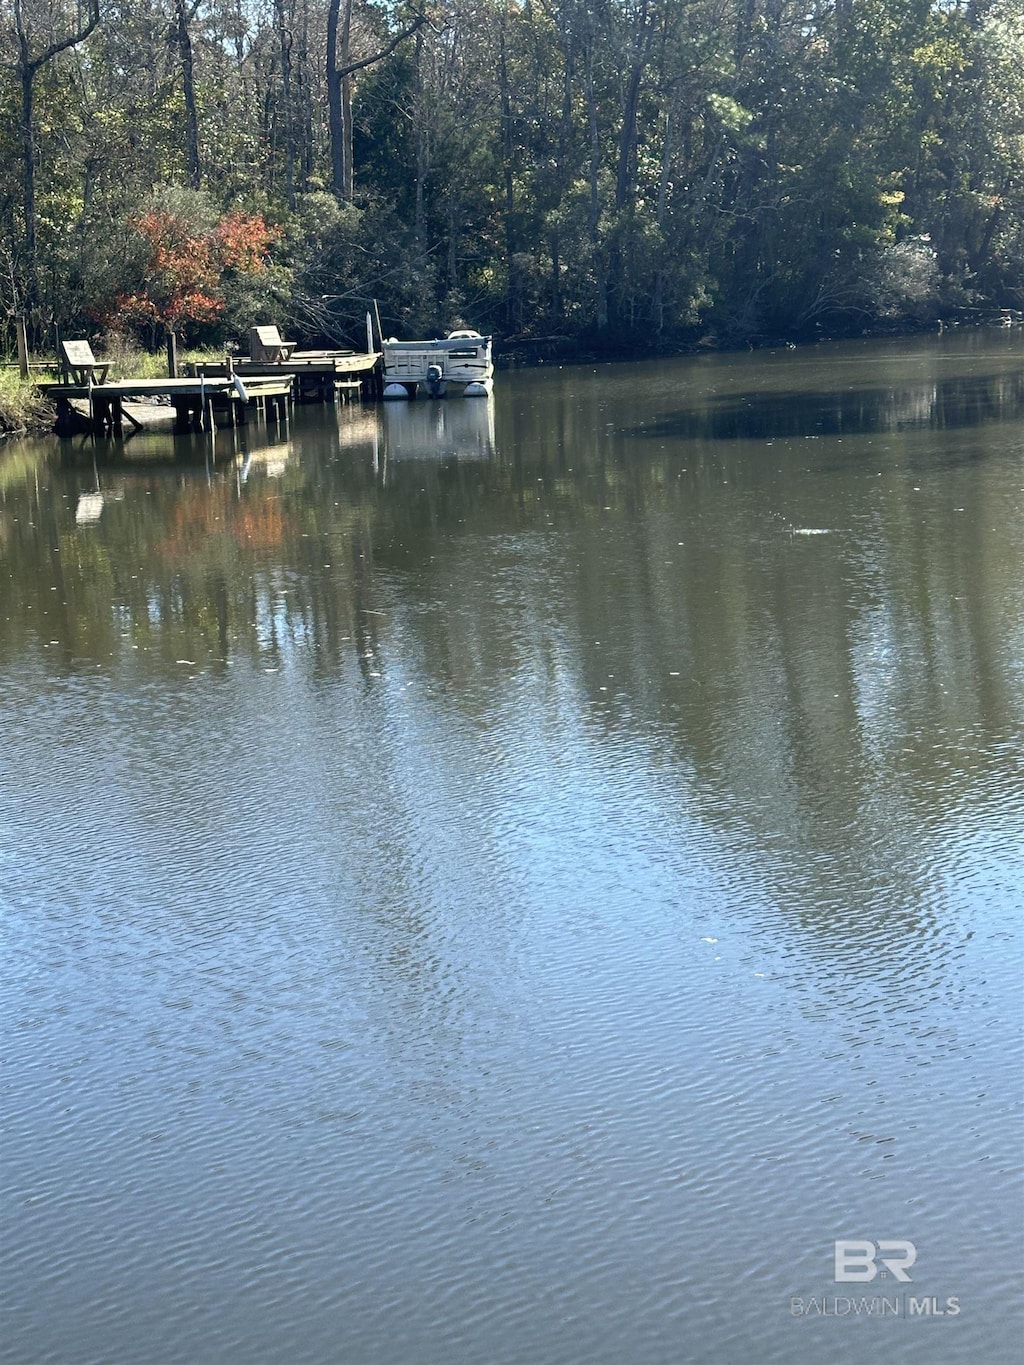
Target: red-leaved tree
(186, 270)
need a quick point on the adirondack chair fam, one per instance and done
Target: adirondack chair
(266, 346)
(78, 365)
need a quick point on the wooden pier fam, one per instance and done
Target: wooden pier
(319, 376)
(270, 380)
(197, 400)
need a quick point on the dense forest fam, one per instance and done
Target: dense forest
(626, 174)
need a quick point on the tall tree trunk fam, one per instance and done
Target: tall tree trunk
(349, 155)
(556, 277)
(339, 95)
(658, 300)
(339, 87)
(345, 80)
(625, 185)
(28, 68)
(304, 97)
(184, 41)
(284, 38)
(597, 245)
(512, 292)
(335, 114)
(28, 151)
(453, 240)
(566, 126)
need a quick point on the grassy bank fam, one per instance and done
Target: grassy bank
(22, 406)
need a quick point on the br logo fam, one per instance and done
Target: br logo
(857, 1261)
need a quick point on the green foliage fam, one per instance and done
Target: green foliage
(903, 283)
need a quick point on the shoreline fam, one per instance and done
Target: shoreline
(541, 353)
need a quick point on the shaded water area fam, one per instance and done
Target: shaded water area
(516, 880)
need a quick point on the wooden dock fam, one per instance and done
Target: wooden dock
(197, 400)
(319, 376)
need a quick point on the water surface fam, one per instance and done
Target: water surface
(517, 880)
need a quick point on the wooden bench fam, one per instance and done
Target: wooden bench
(79, 366)
(266, 346)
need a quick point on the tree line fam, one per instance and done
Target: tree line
(625, 174)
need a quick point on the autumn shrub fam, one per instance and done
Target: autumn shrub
(194, 267)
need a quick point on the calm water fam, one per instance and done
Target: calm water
(514, 882)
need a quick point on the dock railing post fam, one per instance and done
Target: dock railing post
(22, 330)
(172, 355)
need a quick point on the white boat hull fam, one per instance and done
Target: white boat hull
(479, 388)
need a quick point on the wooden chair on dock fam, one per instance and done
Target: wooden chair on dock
(266, 346)
(79, 366)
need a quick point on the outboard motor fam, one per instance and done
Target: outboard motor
(435, 381)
